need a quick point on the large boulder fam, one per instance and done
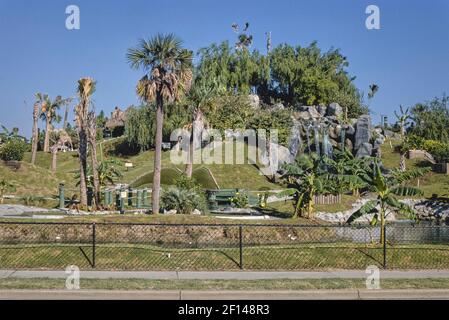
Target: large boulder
(254, 100)
(334, 110)
(322, 110)
(363, 131)
(365, 150)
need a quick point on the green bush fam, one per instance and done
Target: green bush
(240, 200)
(14, 149)
(184, 201)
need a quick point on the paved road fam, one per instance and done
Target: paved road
(222, 295)
(226, 275)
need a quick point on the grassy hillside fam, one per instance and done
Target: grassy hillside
(38, 180)
(433, 184)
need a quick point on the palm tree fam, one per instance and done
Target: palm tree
(167, 77)
(40, 99)
(92, 138)
(200, 95)
(387, 187)
(49, 115)
(86, 87)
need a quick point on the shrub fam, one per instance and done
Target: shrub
(14, 149)
(240, 200)
(184, 201)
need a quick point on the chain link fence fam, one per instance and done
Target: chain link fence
(106, 246)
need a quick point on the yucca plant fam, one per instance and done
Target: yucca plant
(387, 187)
(184, 201)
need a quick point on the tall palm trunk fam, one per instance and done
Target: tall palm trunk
(82, 153)
(54, 158)
(47, 133)
(92, 128)
(66, 114)
(195, 135)
(158, 153)
(35, 133)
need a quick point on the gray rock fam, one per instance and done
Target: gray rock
(278, 106)
(363, 131)
(349, 145)
(313, 112)
(350, 131)
(322, 110)
(332, 133)
(254, 100)
(364, 150)
(387, 133)
(303, 115)
(334, 109)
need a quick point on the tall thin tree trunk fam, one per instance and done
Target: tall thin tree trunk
(54, 158)
(66, 113)
(47, 134)
(157, 154)
(82, 153)
(197, 125)
(35, 133)
(92, 128)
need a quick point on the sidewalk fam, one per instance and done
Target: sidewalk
(352, 294)
(226, 275)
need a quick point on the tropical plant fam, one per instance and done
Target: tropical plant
(92, 138)
(199, 97)
(403, 117)
(86, 87)
(373, 88)
(346, 170)
(184, 201)
(387, 187)
(5, 186)
(240, 200)
(304, 180)
(49, 114)
(13, 150)
(39, 100)
(109, 172)
(167, 77)
(431, 119)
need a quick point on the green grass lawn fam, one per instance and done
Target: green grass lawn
(278, 284)
(263, 257)
(432, 184)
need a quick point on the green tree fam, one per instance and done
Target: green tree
(49, 113)
(387, 187)
(431, 119)
(86, 87)
(167, 76)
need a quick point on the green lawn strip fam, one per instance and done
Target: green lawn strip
(278, 284)
(266, 257)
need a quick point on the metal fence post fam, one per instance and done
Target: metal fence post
(241, 246)
(61, 196)
(94, 240)
(385, 247)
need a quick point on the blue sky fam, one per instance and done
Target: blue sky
(408, 57)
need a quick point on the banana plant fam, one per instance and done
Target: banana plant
(304, 180)
(387, 188)
(5, 186)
